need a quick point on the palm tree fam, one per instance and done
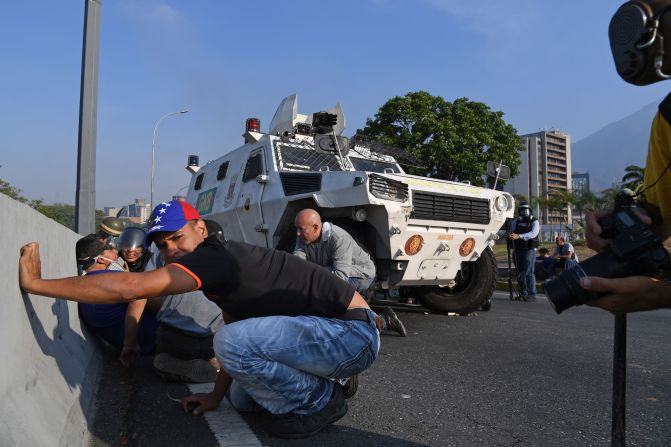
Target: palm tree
(633, 177)
(520, 198)
(584, 201)
(606, 198)
(560, 201)
(540, 203)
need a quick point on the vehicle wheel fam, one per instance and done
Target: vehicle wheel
(474, 288)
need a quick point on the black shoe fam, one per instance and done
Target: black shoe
(530, 298)
(522, 298)
(295, 426)
(350, 387)
(392, 322)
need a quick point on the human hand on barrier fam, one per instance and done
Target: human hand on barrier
(630, 294)
(198, 404)
(30, 266)
(593, 228)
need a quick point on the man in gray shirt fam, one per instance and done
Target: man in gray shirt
(332, 247)
(187, 324)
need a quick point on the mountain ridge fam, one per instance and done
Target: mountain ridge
(605, 153)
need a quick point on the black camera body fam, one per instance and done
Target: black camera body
(634, 250)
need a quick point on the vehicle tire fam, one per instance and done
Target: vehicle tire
(475, 286)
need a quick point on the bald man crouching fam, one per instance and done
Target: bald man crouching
(333, 248)
(293, 329)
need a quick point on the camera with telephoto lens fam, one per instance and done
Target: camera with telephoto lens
(634, 250)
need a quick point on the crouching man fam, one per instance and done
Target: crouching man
(293, 329)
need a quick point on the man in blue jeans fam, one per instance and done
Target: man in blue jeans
(293, 329)
(524, 235)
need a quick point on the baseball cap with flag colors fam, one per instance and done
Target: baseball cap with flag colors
(170, 216)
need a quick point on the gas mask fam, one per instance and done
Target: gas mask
(636, 33)
(525, 214)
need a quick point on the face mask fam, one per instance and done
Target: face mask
(117, 265)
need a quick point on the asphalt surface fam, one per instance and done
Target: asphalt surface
(519, 375)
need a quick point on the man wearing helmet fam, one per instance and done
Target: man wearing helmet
(524, 235)
(295, 329)
(133, 249)
(186, 322)
(110, 227)
(122, 324)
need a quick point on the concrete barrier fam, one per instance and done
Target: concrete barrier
(50, 366)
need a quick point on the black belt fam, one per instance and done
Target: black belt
(359, 313)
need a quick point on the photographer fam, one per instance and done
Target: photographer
(636, 33)
(639, 293)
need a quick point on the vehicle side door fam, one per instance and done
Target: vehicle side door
(248, 207)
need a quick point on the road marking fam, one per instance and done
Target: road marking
(228, 427)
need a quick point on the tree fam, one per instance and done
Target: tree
(519, 198)
(633, 177)
(15, 193)
(453, 141)
(560, 201)
(542, 204)
(60, 212)
(606, 198)
(585, 201)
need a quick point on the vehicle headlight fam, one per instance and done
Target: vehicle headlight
(502, 203)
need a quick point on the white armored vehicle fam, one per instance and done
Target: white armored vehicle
(430, 239)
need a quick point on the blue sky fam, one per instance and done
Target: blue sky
(545, 64)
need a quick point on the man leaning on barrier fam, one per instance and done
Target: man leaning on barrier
(293, 329)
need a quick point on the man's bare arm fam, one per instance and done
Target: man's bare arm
(630, 294)
(101, 289)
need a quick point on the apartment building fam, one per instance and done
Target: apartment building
(137, 212)
(545, 167)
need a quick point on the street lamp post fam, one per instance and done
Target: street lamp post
(153, 153)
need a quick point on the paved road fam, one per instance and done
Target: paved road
(519, 375)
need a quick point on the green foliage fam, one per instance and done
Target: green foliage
(606, 198)
(633, 177)
(519, 198)
(453, 141)
(15, 193)
(60, 212)
(559, 201)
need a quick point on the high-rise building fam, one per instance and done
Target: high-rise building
(139, 209)
(137, 212)
(580, 182)
(545, 167)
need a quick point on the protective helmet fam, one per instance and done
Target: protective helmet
(112, 226)
(214, 229)
(524, 210)
(131, 238)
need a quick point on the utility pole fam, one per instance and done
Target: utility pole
(85, 201)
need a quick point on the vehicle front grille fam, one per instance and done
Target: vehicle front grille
(450, 208)
(295, 183)
(384, 188)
